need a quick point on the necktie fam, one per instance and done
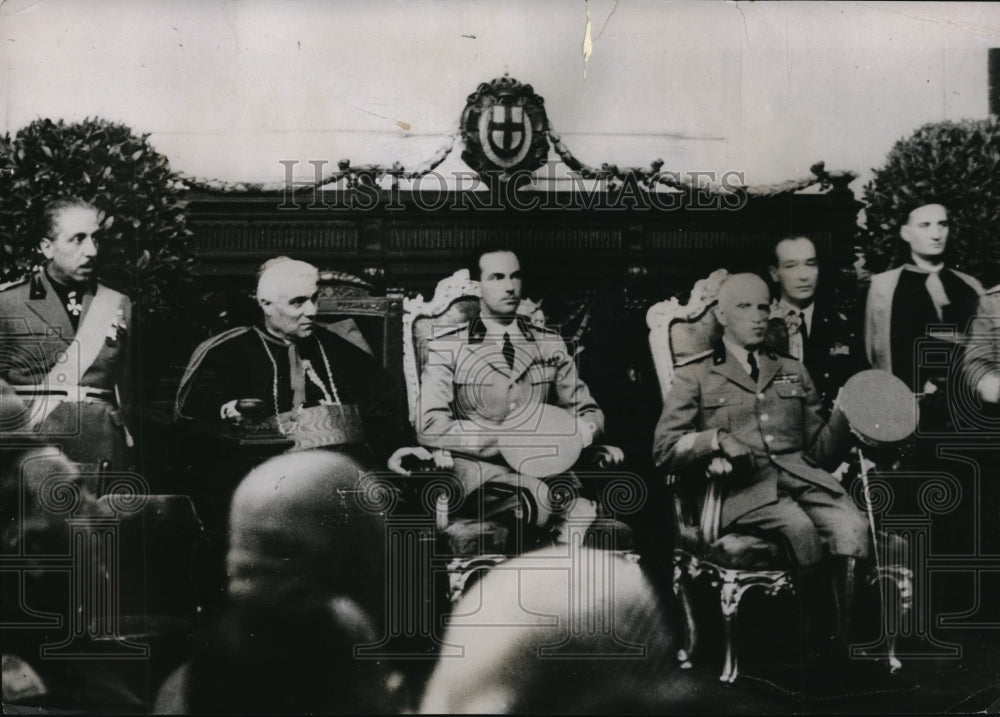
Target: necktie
(508, 351)
(754, 369)
(298, 376)
(803, 329)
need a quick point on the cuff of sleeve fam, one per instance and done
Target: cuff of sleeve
(693, 446)
(228, 410)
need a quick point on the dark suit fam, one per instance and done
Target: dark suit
(777, 422)
(81, 406)
(833, 350)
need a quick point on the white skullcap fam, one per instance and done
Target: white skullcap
(274, 272)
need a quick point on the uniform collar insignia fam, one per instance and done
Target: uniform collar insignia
(477, 329)
(38, 290)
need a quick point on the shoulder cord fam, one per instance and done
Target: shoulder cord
(329, 375)
(309, 371)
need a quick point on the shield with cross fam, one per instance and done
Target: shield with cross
(505, 133)
(504, 128)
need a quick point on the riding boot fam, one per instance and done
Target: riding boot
(845, 587)
(815, 609)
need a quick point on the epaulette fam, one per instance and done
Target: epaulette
(11, 284)
(696, 357)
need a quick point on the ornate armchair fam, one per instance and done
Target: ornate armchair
(732, 563)
(476, 545)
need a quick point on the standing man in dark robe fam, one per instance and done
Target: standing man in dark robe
(64, 342)
(922, 303)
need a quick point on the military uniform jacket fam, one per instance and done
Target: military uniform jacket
(35, 332)
(777, 420)
(982, 354)
(466, 388)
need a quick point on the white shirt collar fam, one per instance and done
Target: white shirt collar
(808, 312)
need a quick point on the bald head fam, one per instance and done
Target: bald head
(287, 294)
(555, 632)
(744, 306)
(300, 523)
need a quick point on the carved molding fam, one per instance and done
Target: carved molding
(449, 237)
(272, 238)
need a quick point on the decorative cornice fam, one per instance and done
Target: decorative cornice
(524, 131)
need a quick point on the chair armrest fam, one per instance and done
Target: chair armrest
(685, 487)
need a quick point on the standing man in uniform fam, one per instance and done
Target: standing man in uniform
(758, 414)
(65, 342)
(810, 331)
(484, 383)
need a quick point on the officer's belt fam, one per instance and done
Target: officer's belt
(78, 394)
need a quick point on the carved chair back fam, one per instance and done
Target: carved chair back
(678, 332)
(349, 306)
(455, 302)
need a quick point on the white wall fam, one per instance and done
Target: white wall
(228, 88)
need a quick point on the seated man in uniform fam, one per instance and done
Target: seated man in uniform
(904, 302)
(64, 341)
(483, 384)
(288, 363)
(756, 415)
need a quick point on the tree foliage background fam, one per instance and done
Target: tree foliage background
(956, 164)
(145, 246)
(145, 250)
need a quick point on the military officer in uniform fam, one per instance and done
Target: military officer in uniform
(483, 383)
(756, 415)
(66, 339)
(982, 351)
(809, 330)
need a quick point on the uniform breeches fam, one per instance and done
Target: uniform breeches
(814, 521)
(500, 490)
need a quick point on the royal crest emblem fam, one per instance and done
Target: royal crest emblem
(504, 128)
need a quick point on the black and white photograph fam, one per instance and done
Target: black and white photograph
(506, 357)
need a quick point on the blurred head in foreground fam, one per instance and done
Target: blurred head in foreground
(307, 586)
(549, 633)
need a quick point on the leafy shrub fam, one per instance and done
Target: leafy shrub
(145, 250)
(956, 164)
